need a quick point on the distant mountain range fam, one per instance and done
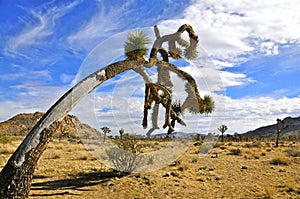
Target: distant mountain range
(21, 124)
(271, 130)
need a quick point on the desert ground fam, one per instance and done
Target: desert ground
(240, 170)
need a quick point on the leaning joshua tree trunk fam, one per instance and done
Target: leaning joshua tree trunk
(16, 176)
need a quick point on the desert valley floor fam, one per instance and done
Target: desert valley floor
(241, 170)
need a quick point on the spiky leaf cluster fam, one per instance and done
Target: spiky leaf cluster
(190, 53)
(135, 46)
(209, 106)
(177, 107)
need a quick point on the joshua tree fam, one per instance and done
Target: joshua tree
(280, 127)
(16, 176)
(105, 130)
(121, 132)
(222, 129)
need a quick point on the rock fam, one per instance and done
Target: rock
(148, 182)
(203, 168)
(282, 170)
(138, 176)
(166, 175)
(215, 155)
(111, 184)
(146, 178)
(211, 169)
(218, 178)
(200, 180)
(175, 174)
(244, 167)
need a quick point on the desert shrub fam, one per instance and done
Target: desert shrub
(268, 194)
(54, 155)
(198, 143)
(218, 144)
(5, 139)
(184, 167)
(205, 148)
(223, 147)
(256, 144)
(83, 158)
(268, 150)
(127, 156)
(7, 150)
(279, 161)
(268, 144)
(253, 144)
(293, 152)
(235, 151)
(263, 154)
(176, 163)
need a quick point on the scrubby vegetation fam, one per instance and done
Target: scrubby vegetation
(236, 169)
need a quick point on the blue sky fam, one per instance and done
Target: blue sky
(253, 52)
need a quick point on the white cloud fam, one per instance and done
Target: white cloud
(30, 97)
(269, 48)
(250, 113)
(66, 78)
(122, 109)
(27, 75)
(102, 25)
(35, 33)
(234, 79)
(229, 29)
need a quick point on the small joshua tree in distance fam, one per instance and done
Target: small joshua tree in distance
(222, 129)
(280, 127)
(121, 132)
(105, 130)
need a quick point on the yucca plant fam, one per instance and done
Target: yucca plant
(209, 104)
(135, 46)
(177, 107)
(207, 107)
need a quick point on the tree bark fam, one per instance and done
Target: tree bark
(16, 176)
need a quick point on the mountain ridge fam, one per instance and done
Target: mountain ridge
(271, 130)
(21, 124)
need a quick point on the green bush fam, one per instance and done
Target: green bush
(5, 139)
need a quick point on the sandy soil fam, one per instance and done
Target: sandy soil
(241, 170)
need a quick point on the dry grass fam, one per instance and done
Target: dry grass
(279, 160)
(67, 170)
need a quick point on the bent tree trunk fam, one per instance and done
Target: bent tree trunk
(16, 176)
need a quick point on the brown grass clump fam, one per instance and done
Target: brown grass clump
(293, 152)
(279, 160)
(235, 151)
(254, 144)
